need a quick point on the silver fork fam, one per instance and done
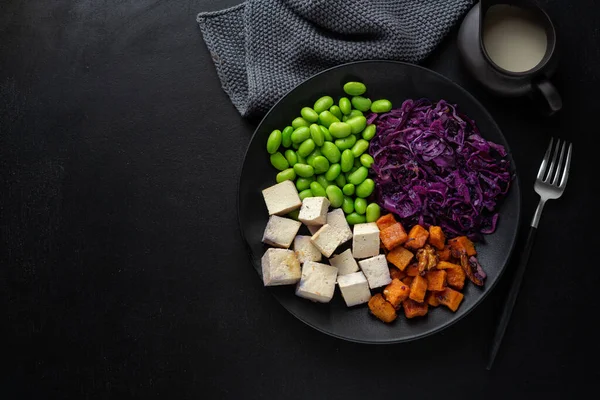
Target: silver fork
(550, 184)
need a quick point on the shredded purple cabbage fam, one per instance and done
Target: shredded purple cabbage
(433, 168)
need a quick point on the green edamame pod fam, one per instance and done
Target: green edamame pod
(340, 130)
(303, 183)
(345, 143)
(286, 175)
(305, 193)
(365, 189)
(369, 132)
(274, 141)
(360, 205)
(381, 106)
(323, 104)
(333, 172)
(300, 134)
(335, 110)
(306, 147)
(347, 160)
(357, 177)
(279, 161)
(331, 151)
(327, 118)
(360, 147)
(348, 189)
(355, 113)
(291, 157)
(347, 205)
(323, 181)
(345, 105)
(321, 165)
(317, 135)
(361, 103)
(300, 159)
(304, 170)
(317, 190)
(335, 196)
(286, 136)
(294, 214)
(355, 218)
(357, 124)
(309, 114)
(373, 212)
(326, 133)
(340, 180)
(366, 160)
(355, 88)
(298, 122)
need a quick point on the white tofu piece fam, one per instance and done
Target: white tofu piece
(305, 250)
(354, 288)
(280, 267)
(313, 228)
(282, 198)
(365, 242)
(314, 210)
(344, 262)
(317, 282)
(337, 218)
(327, 239)
(376, 270)
(280, 232)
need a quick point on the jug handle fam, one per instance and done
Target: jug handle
(549, 93)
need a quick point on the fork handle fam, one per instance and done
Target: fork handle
(513, 294)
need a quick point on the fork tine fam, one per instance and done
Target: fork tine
(561, 159)
(542, 171)
(553, 163)
(565, 174)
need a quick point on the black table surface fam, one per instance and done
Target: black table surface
(123, 273)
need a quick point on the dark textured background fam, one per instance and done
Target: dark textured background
(122, 270)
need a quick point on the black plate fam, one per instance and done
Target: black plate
(395, 81)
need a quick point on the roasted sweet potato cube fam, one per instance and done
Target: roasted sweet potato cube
(445, 254)
(455, 277)
(418, 288)
(400, 257)
(396, 292)
(395, 273)
(431, 299)
(436, 280)
(417, 237)
(412, 270)
(392, 236)
(447, 265)
(408, 280)
(385, 221)
(436, 237)
(461, 244)
(382, 309)
(414, 309)
(450, 298)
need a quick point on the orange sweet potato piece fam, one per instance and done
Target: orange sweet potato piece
(400, 257)
(450, 298)
(445, 254)
(431, 299)
(393, 235)
(385, 221)
(408, 280)
(395, 273)
(413, 309)
(396, 292)
(461, 244)
(417, 237)
(382, 309)
(412, 270)
(455, 277)
(418, 289)
(447, 265)
(436, 280)
(436, 237)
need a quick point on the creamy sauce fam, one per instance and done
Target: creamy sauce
(513, 38)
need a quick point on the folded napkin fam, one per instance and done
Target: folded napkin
(264, 48)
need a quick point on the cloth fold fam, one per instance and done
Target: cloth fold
(264, 48)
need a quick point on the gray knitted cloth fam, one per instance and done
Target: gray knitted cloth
(264, 48)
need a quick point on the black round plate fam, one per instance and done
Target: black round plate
(395, 81)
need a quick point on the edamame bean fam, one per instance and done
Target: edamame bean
(286, 136)
(279, 161)
(291, 157)
(303, 183)
(309, 114)
(357, 177)
(294, 214)
(348, 189)
(347, 205)
(355, 218)
(295, 146)
(335, 110)
(304, 170)
(326, 133)
(327, 118)
(323, 104)
(317, 135)
(274, 141)
(335, 196)
(345, 105)
(321, 165)
(373, 212)
(317, 190)
(366, 160)
(306, 147)
(305, 193)
(360, 205)
(356, 162)
(340, 129)
(310, 159)
(286, 175)
(369, 132)
(345, 118)
(300, 134)
(355, 113)
(300, 159)
(381, 106)
(360, 147)
(333, 172)
(357, 124)
(340, 180)
(331, 151)
(361, 103)
(345, 143)
(347, 160)
(365, 189)
(323, 181)
(298, 122)
(355, 88)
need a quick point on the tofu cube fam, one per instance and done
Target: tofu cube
(281, 198)
(376, 270)
(365, 242)
(305, 250)
(313, 228)
(354, 288)
(280, 232)
(280, 267)
(327, 239)
(337, 219)
(317, 282)
(314, 210)
(344, 262)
